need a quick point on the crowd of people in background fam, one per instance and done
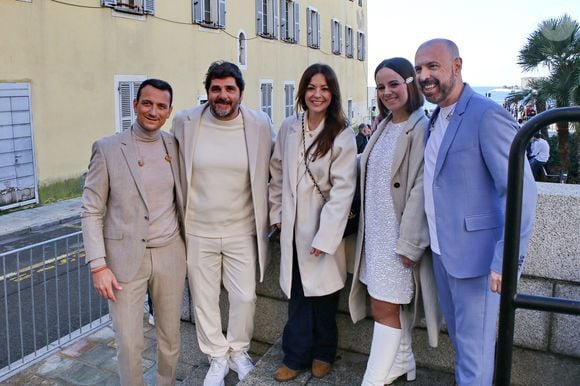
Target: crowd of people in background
(205, 199)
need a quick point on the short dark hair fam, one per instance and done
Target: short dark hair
(404, 68)
(538, 135)
(158, 84)
(221, 70)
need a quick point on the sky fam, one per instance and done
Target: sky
(489, 33)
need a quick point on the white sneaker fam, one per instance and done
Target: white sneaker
(218, 369)
(241, 363)
(151, 320)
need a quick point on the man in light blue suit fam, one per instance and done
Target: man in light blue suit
(466, 166)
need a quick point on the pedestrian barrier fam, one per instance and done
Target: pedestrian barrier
(510, 299)
(47, 301)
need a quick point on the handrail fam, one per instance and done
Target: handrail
(510, 300)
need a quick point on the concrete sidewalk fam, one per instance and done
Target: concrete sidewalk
(27, 220)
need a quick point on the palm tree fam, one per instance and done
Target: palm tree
(555, 44)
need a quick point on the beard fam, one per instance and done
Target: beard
(222, 113)
(444, 89)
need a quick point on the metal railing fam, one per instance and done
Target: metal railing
(510, 299)
(47, 300)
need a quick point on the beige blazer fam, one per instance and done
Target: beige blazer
(114, 209)
(259, 141)
(408, 201)
(335, 174)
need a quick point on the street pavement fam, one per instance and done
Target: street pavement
(92, 360)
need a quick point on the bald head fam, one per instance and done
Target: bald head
(438, 66)
(446, 44)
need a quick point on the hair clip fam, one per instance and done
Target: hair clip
(409, 80)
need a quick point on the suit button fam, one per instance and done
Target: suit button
(397, 185)
(143, 240)
(146, 217)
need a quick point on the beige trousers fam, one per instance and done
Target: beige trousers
(163, 271)
(233, 260)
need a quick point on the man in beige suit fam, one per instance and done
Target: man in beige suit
(225, 150)
(132, 221)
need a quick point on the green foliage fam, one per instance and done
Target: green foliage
(60, 190)
(554, 164)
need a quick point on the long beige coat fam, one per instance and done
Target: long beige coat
(408, 201)
(114, 211)
(335, 174)
(259, 140)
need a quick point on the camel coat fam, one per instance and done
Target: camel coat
(408, 201)
(335, 174)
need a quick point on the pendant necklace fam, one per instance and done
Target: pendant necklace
(140, 161)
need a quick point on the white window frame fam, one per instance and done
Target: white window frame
(290, 21)
(336, 36)
(289, 99)
(313, 27)
(242, 49)
(267, 18)
(137, 7)
(348, 42)
(124, 118)
(267, 108)
(361, 49)
(209, 13)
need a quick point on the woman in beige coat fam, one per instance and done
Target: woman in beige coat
(313, 172)
(393, 233)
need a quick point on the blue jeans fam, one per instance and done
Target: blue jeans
(310, 332)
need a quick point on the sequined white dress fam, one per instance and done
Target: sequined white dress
(386, 277)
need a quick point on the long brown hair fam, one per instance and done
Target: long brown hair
(334, 120)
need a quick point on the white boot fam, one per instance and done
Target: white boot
(404, 361)
(383, 350)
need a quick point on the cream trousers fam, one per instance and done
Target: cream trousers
(233, 261)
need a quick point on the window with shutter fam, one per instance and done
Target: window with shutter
(349, 43)
(289, 22)
(288, 99)
(360, 46)
(126, 87)
(209, 13)
(266, 97)
(336, 32)
(267, 18)
(138, 7)
(313, 27)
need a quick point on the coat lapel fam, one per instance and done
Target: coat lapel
(291, 152)
(452, 128)
(252, 140)
(402, 144)
(129, 150)
(190, 135)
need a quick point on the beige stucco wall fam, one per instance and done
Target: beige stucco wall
(71, 54)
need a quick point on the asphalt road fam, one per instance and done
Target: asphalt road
(45, 291)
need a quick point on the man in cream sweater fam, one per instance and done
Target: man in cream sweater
(225, 151)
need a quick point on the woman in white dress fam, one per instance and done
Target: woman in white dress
(393, 233)
(313, 170)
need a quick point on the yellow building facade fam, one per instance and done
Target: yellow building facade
(70, 69)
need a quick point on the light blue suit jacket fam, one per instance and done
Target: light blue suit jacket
(470, 187)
